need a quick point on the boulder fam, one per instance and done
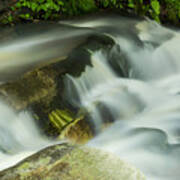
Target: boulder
(42, 91)
(69, 162)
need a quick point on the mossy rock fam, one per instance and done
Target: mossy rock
(73, 127)
(43, 85)
(32, 87)
(42, 91)
(69, 162)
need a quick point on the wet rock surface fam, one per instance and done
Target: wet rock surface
(43, 92)
(69, 162)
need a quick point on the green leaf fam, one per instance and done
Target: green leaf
(86, 5)
(39, 8)
(44, 7)
(27, 16)
(156, 6)
(33, 6)
(113, 2)
(105, 3)
(131, 4)
(18, 4)
(56, 7)
(47, 15)
(10, 18)
(13, 8)
(60, 3)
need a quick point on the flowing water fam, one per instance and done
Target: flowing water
(19, 136)
(144, 106)
(134, 88)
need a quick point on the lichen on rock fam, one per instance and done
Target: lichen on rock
(69, 162)
(43, 92)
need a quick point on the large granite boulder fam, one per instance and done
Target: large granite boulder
(67, 162)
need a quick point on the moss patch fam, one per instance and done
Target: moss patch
(70, 163)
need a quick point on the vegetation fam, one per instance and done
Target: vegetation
(30, 10)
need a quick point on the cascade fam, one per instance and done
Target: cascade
(131, 93)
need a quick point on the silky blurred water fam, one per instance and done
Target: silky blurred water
(143, 107)
(133, 90)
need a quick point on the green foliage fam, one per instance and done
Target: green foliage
(86, 5)
(48, 9)
(155, 5)
(53, 9)
(77, 7)
(168, 10)
(44, 9)
(139, 6)
(173, 10)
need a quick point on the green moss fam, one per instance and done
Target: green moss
(24, 166)
(69, 162)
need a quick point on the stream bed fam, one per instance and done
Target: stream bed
(131, 92)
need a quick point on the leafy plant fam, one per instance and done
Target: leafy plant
(156, 9)
(160, 10)
(173, 10)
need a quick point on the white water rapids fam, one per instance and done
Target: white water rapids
(19, 137)
(143, 107)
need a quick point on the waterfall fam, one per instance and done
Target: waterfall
(19, 136)
(142, 108)
(131, 92)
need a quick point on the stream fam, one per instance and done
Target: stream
(134, 88)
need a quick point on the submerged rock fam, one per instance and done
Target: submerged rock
(69, 162)
(43, 92)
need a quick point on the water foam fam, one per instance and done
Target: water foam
(145, 106)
